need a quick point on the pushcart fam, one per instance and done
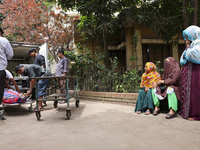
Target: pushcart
(52, 94)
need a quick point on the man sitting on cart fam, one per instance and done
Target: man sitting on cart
(35, 71)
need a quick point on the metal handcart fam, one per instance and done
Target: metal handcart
(52, 95)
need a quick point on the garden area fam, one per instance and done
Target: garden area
(35, 21)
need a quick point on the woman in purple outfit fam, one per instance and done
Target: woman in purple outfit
(190, 85)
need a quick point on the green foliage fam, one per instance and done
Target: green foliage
(163, 17)
(135, 40)
(159, 69)
(83, 58)
(48, 4)
(129, 82)
(85, 64)
(98, 18)
(94, 76)
(89, 26)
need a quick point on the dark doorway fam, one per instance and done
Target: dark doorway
(153, 53)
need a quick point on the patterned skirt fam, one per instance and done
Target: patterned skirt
(190, 94)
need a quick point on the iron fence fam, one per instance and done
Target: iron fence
(124, 79)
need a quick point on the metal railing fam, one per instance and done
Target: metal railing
(124, 79)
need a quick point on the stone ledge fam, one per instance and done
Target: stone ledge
(118, 98)
(129, 98)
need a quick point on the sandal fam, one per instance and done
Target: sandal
(3, 118)
(156, 112)
(147, 112)
(138, 112)
(170, 116)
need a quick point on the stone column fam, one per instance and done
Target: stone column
(175, 52)
(139, 62)
(129, 47)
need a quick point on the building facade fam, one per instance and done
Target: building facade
(149, 47)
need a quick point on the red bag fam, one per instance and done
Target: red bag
(10, 97)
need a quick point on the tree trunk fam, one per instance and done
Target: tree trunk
(106, 53)
(184, 14)
(194, 13)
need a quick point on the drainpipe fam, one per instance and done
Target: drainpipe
(147, 53)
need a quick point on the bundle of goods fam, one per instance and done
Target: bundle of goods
(12, 97)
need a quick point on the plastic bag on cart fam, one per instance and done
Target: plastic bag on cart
(12, 97)
(22, 98)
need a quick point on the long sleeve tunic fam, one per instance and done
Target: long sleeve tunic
(62, 67)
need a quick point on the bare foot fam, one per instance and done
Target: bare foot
(191, 119)
(138, 112)
(157, 108)
(147, 112)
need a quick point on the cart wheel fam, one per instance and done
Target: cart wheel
(68, 114)
(55, 104)
(37, 113)
(77, 103)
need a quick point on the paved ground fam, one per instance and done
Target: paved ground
(95, 126)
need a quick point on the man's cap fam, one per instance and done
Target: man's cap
(31, 50)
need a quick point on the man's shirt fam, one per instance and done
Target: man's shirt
(6, 52)
(39, 60)
(9, 75)
(62, 66)
(35, 71)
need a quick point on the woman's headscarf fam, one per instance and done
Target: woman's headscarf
(148, 78)
(171, 77)
(192, 54)
(170, 67)
(191, 33)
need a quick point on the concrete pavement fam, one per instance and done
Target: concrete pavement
(95, 126)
